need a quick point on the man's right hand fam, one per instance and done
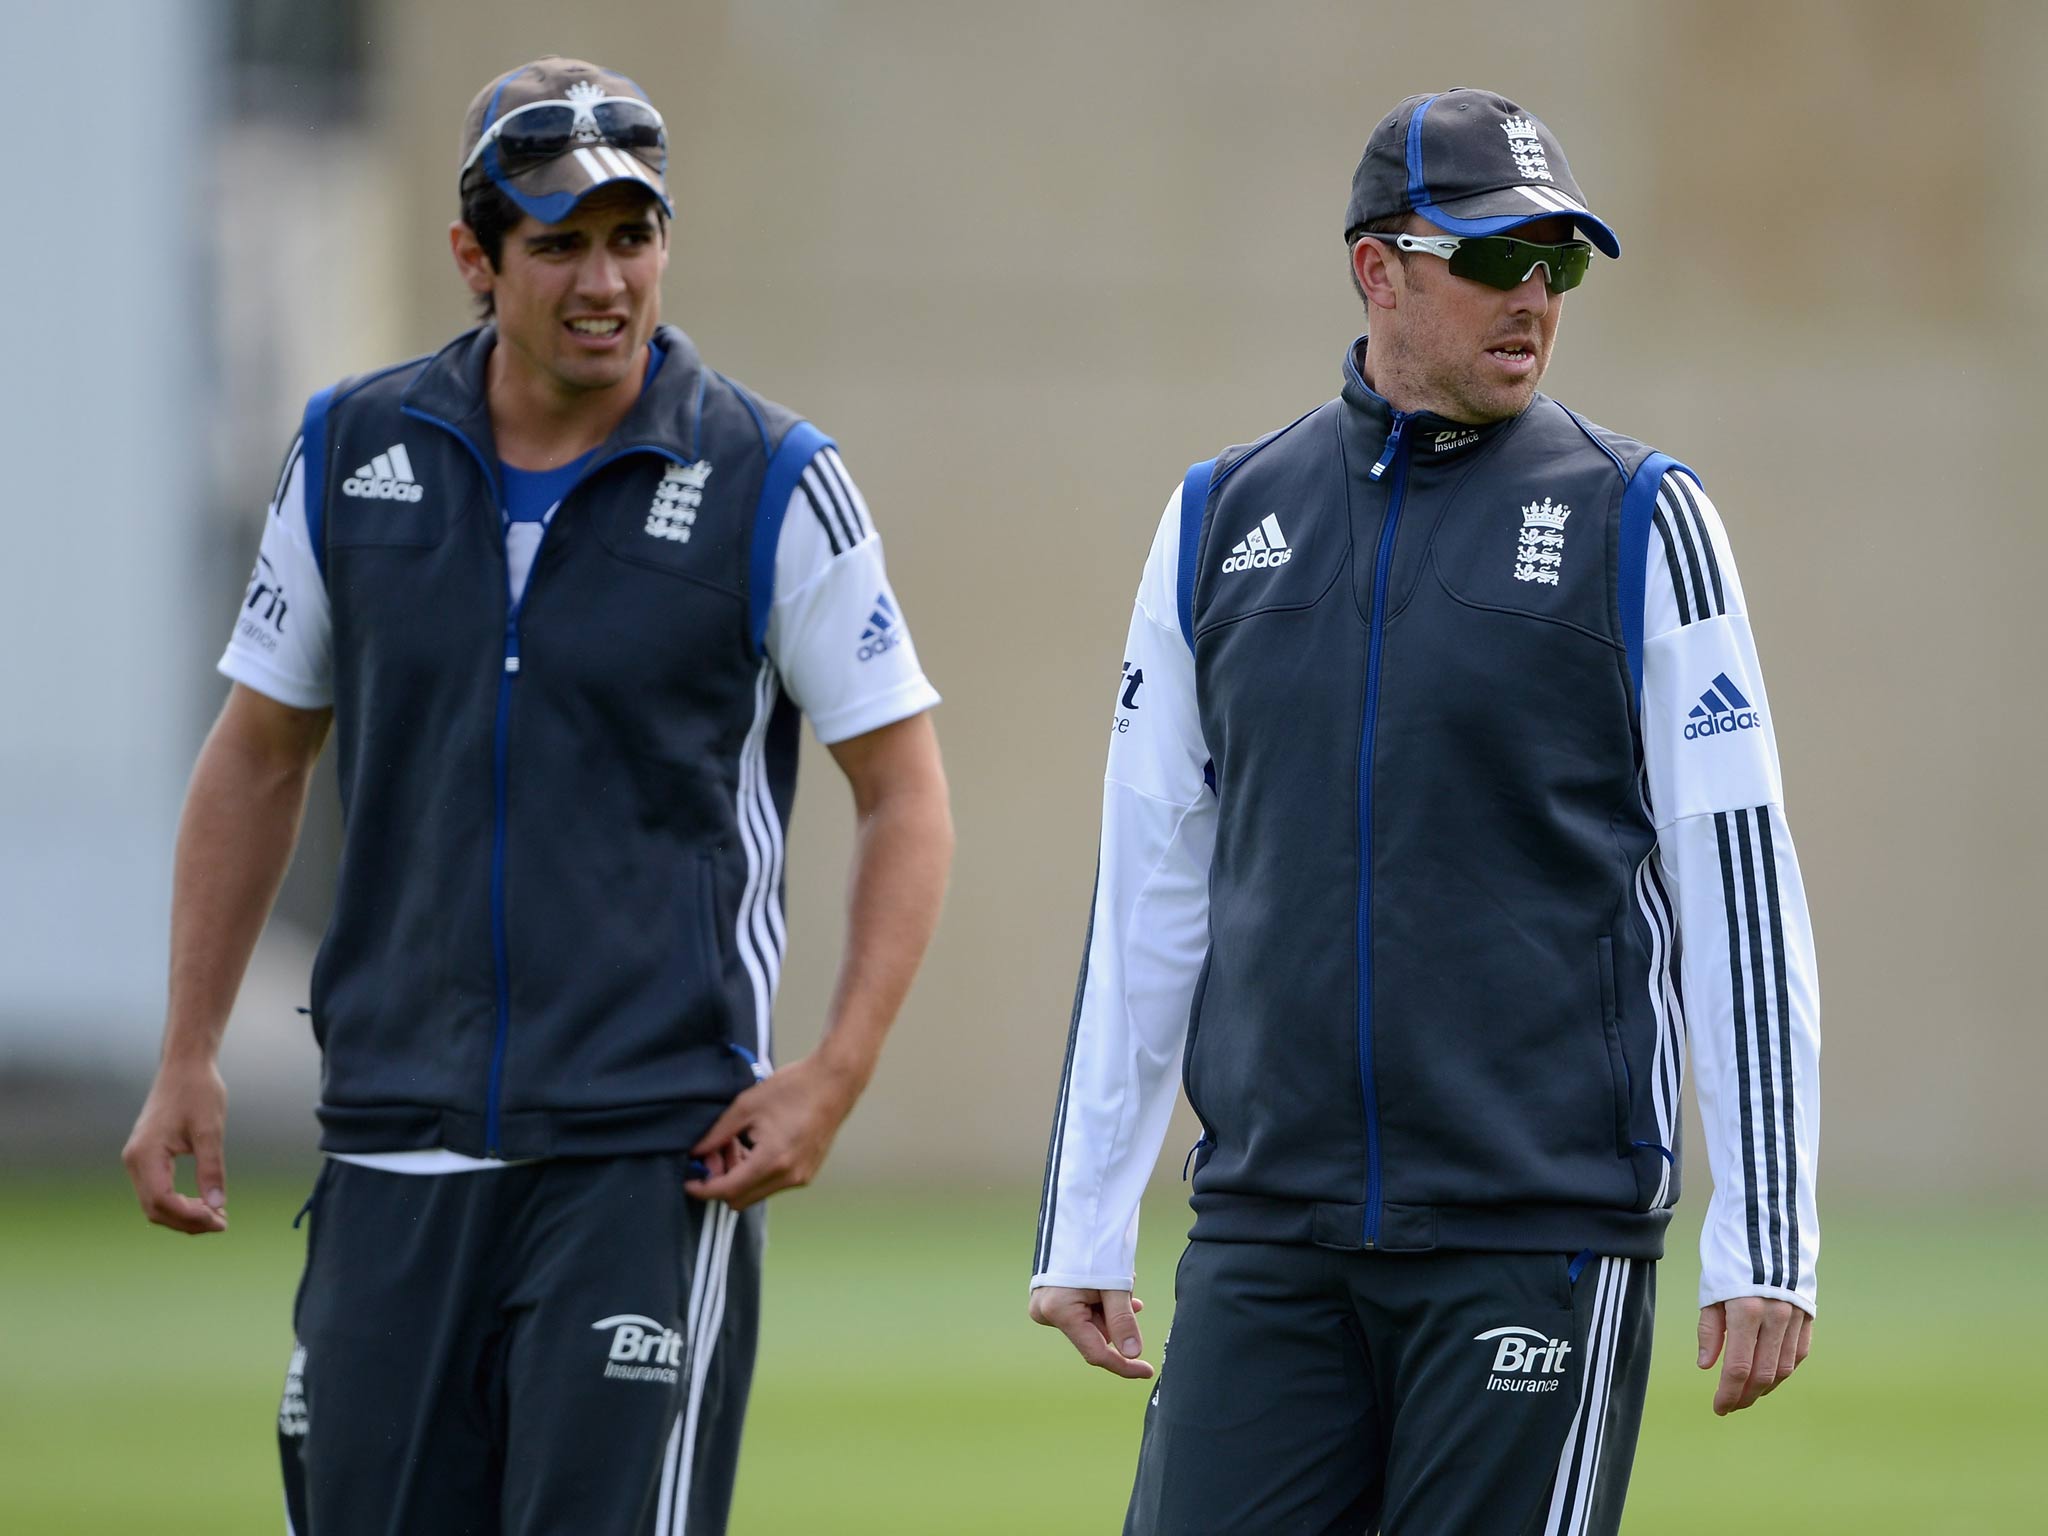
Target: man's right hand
(1102, 1325)
(186, 1114)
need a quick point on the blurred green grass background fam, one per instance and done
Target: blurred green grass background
(901, 1390)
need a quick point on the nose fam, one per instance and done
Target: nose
(1530, 296)
(599, 276)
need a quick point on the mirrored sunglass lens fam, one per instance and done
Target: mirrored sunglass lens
(1500, 262)
(630, 125)
(538, 134)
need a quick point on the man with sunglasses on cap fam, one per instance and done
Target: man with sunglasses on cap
(1442, 806)
(562, 592)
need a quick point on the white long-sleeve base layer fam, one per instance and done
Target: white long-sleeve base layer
(1732, 945)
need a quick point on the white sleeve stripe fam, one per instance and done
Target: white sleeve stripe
(284, 475)
(803, 487)
(1680, 523)
(1048, 1203)
(1667, 1068)
(834, 484)
(1763, 1047)
(1690, 493)
(827, 507)
(842, 482)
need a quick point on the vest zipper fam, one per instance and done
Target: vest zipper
(1390, 456)
(501, 960)
(501, 772)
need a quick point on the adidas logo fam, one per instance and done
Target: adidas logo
(1265, 545)
(1721, 709)
(884, 631)
(387, 477)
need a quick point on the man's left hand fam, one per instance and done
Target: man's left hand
(1759, 1340)
(775, 1135)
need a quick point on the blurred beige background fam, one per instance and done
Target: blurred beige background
(1028, 262)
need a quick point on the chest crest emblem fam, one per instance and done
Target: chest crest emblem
(1539, 555)
(676, 500)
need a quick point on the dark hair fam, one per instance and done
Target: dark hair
(491, 216)
(1385, 224)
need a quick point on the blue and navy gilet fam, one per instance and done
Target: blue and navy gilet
(563, 819)
(1425, 1019)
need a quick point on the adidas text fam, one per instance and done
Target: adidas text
(1264, 546)
(1721, 709)
(884, 631)
(387, 477)
(1721, 724)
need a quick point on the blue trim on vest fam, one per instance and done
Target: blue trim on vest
(753, 410)
(1194, 492)
(1418, 189)
(802, 443)
(314, 481)
(1638, 506)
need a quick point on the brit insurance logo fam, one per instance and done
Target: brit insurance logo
(1539, 553)
(1127, 698)
(1524, 1359)
(641, 1349)
(263, 606)
(1264, 546)
(1721, 709)
(387, 477)
(1526, 145)
(680, 493)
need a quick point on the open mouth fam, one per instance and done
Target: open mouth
(597, 329)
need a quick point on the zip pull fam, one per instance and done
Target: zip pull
(755, 1064)
(512, 643)
(1393, 445)
(1200, 1143)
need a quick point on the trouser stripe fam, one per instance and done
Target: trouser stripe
(703, 1341)
(1571, 1495)
(706, 1311)
(1589, 1483)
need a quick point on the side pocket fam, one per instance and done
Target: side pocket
(1187, 1059)
(1617, 1062)
(714, 1020)
(704, 958)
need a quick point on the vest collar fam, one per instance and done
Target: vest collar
(1432, 438)
(666, 419)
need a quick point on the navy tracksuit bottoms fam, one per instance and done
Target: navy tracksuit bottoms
(545, 1349)
(1315, 1392)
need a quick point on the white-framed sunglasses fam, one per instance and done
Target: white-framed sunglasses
(541, 130)
(1501, 261)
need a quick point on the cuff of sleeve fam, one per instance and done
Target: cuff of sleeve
(1714, 1295)
(871, 714)
(1078, 1281)
(272, 684)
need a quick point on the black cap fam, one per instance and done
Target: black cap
(551, 190)
(1472, 163)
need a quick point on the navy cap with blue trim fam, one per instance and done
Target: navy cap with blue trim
(551, 189)
(1472, 163)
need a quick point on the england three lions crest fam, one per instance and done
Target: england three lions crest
(1539, 556)
(676, 500)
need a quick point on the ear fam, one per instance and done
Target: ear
(470, 259)
(1376, 269)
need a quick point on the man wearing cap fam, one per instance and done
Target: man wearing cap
(562, 592)
(1442, 808)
